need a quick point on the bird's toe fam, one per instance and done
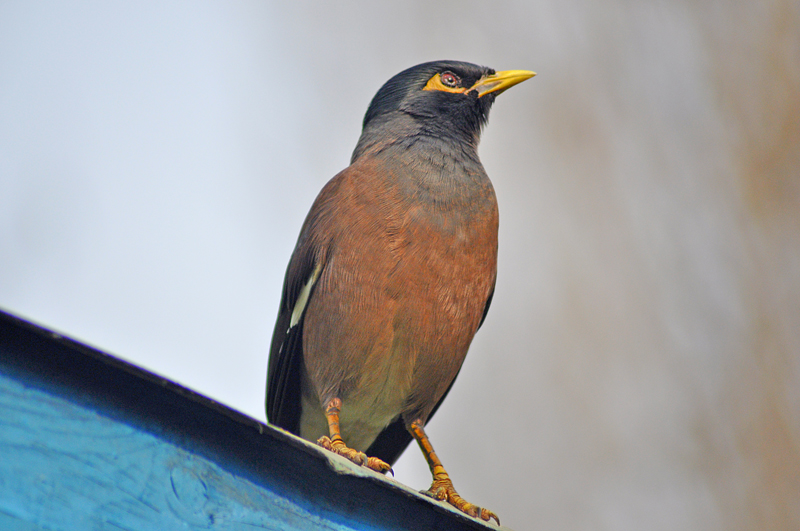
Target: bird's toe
(442, 489)
(338, 447)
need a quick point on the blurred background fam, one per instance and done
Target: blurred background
(640, 366)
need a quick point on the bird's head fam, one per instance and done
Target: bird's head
(445, 99)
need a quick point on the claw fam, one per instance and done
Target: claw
(379, 466)
(443, 490)
(486, 514)
(338, 447)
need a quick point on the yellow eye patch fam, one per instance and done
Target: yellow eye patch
(435, 83)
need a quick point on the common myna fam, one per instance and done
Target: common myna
(392, 275)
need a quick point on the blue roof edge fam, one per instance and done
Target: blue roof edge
(264, 454)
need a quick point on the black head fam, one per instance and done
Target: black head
(445, 99)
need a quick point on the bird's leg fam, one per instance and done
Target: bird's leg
(442, 486)
(335, 444)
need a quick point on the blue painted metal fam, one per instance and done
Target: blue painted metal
(89, 442)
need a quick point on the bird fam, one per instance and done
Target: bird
(392, 275)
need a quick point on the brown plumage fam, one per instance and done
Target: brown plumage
(392, 274)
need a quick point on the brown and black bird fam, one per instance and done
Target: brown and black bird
(392, 275)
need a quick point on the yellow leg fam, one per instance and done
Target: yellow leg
(335, 444)
(442, 486)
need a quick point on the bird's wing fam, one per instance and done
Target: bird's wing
(286, 352)
(485, 309)
(391, 442)
(395, 438)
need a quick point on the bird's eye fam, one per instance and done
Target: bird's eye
(449, 79)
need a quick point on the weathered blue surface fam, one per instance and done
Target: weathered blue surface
(69, 468)
(89, 442)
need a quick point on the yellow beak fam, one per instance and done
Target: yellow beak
(500, 81)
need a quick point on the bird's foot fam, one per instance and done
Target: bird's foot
(442, 489)
(338, 447)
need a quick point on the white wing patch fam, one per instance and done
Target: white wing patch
(302, 300)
